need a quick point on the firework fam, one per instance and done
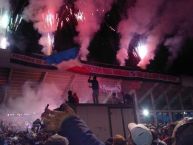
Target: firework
(3, 43)
(52, 22)
(79, 16)
(4, 20)
(50, 19)
(15, 22)
(8, 23)
(4, 23)
(142, 50)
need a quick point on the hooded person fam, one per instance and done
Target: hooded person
(139, 134)
(183, 132)
(67, 124)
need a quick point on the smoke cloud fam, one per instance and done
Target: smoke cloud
(156, 20)
(176, 20)
(174, 44)
(33, 101)
(93, 14)
(140, 18)
(43, 14)
(4, 4)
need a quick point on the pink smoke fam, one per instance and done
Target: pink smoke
(33, 100)
(43, 13)
(93, 13)
(156, 19)
(176, 18)
(174, 44)
(139, 19)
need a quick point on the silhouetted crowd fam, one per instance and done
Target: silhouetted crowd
(63, 127)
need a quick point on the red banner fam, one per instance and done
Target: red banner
(133, 74)
(91, 69)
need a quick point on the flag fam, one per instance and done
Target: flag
(62, 56)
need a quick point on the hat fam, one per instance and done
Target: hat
(181, 123)
(140, 134)
(182, 133)
(119, 140)
(57, 140)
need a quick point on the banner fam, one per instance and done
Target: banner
(132, 74)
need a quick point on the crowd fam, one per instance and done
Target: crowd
(63, 127)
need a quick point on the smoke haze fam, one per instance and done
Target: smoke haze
(33, 101)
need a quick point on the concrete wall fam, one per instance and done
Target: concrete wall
(106, 121)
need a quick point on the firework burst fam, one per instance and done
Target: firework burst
(4, 19)
(4, 23)
(142, 50)
(79, 16)
(9, 22)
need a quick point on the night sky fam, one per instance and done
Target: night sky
(105, 43)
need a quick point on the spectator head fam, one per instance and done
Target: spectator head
(57, 140)
(114, 94)
(140, 134)
(119, 140)
(109, 141)
(74, 94)
(70, 93)
(94, 77)
(62, 107)
(183, 132)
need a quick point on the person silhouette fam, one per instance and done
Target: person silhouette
(95, 88)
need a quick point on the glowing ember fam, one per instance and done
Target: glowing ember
(50, 19)
(67, 19)
(79, 16)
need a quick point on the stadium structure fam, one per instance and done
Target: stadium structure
(153, 97)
